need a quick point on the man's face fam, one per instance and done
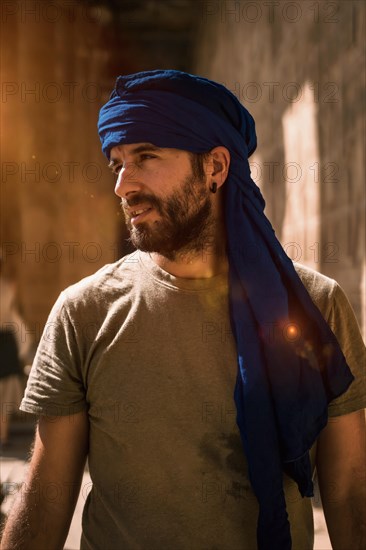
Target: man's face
(167, 207)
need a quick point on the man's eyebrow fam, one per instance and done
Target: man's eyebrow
(142, 147)
(145, 147)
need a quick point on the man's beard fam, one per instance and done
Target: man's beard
(185, 224)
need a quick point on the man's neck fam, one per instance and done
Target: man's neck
(199, 266)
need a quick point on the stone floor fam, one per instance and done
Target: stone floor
(13, 465)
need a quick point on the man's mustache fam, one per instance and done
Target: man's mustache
(141, 198)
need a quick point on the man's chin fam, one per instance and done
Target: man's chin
(144, 240)
(147, 243)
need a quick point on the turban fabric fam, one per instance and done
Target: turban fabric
(290, 365)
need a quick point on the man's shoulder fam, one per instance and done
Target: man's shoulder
(312, 278)
(107, 281)
(320, 287)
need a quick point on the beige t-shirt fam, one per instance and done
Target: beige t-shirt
(152, 358)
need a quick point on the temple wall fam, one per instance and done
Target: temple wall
(299, 68)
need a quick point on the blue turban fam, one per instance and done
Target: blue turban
(284, 384)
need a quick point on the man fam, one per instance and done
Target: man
(138, 363)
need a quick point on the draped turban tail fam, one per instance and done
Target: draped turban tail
(290, 365)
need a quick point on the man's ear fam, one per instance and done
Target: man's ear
(219, 163)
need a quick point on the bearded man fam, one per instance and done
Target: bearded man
(198, 373)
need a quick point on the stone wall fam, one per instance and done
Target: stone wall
(299, 67)
(59, 217)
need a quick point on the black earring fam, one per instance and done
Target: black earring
(213, 187)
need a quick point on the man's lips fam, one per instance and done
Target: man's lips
(137, 214)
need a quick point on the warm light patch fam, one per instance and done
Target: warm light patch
(292, 332)
(301, 224)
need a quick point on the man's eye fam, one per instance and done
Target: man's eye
(147, 156)
(116, 169)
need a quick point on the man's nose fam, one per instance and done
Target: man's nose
(127, 180)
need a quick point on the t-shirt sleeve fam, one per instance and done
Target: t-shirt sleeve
(55, 385)
(343, 323)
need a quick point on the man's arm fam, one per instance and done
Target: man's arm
(44, 507)
(341, 468)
